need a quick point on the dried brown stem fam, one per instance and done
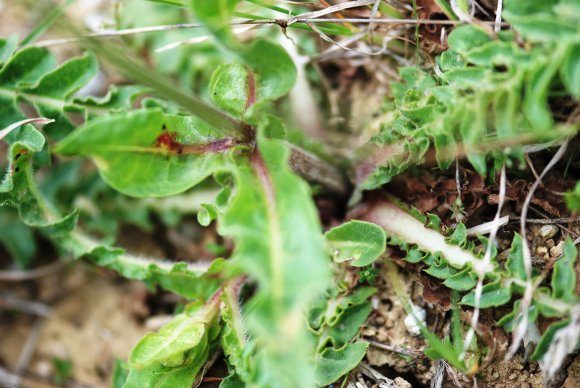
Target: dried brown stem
(314, 169)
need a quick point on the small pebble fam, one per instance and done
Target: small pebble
(380, 320)
(402, 383)
(557, 250)
(414, 321)
(513, 376)
(382, 336)
(548, 231)
(495, 375)
(550, 243)
(541, 251)
(44, 368)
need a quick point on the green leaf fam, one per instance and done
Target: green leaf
(207, 214)
(117, 98)
(509, 321)
(459, 235)
(18, 188)
(31, 76)
(25, 67)
(547, 339)
(462, 281)
(148, 154)
(120, 373)
(233, 338)
(178, 277)
(441, 270)
(571, 71)
(275, 72)
(279, 243)
(515, 262)
(216, 16)
(573, 198)
(232, 381)
(16, 238)
(185, 332)
(542, 27)
(69, 77)
(359, 241)
(333, 364)
(564, 276)
(464, 38)
(230, 89)
(159, 376)
(330, 310)
(415, 256)
(493, 295)
(347, 326)
(7, 47)
(443, 350)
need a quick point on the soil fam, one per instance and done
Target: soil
(94, 319)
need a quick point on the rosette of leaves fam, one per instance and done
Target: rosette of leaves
(489, 95)
(457, 261)
(263, 207)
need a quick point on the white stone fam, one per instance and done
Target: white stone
(548, 231)
(415, 320)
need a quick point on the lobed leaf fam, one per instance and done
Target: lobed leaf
(490, 97)
(328, 310)
(279, 244)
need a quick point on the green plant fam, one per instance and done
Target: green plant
(280, 307)
(489, 96)
(455, 261)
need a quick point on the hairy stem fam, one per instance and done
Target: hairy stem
(399, 223)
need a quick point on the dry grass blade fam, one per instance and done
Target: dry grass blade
(8, 379)
(498, 12)
(439, 377)
(564, 343)
(29, 347)
(522, 326)
(199, 39)
(396, 349)
(329, 10)
(487, 262)
(487, 227)
(12, 127)
(118, 33)
(19, 276)
(11, 302)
